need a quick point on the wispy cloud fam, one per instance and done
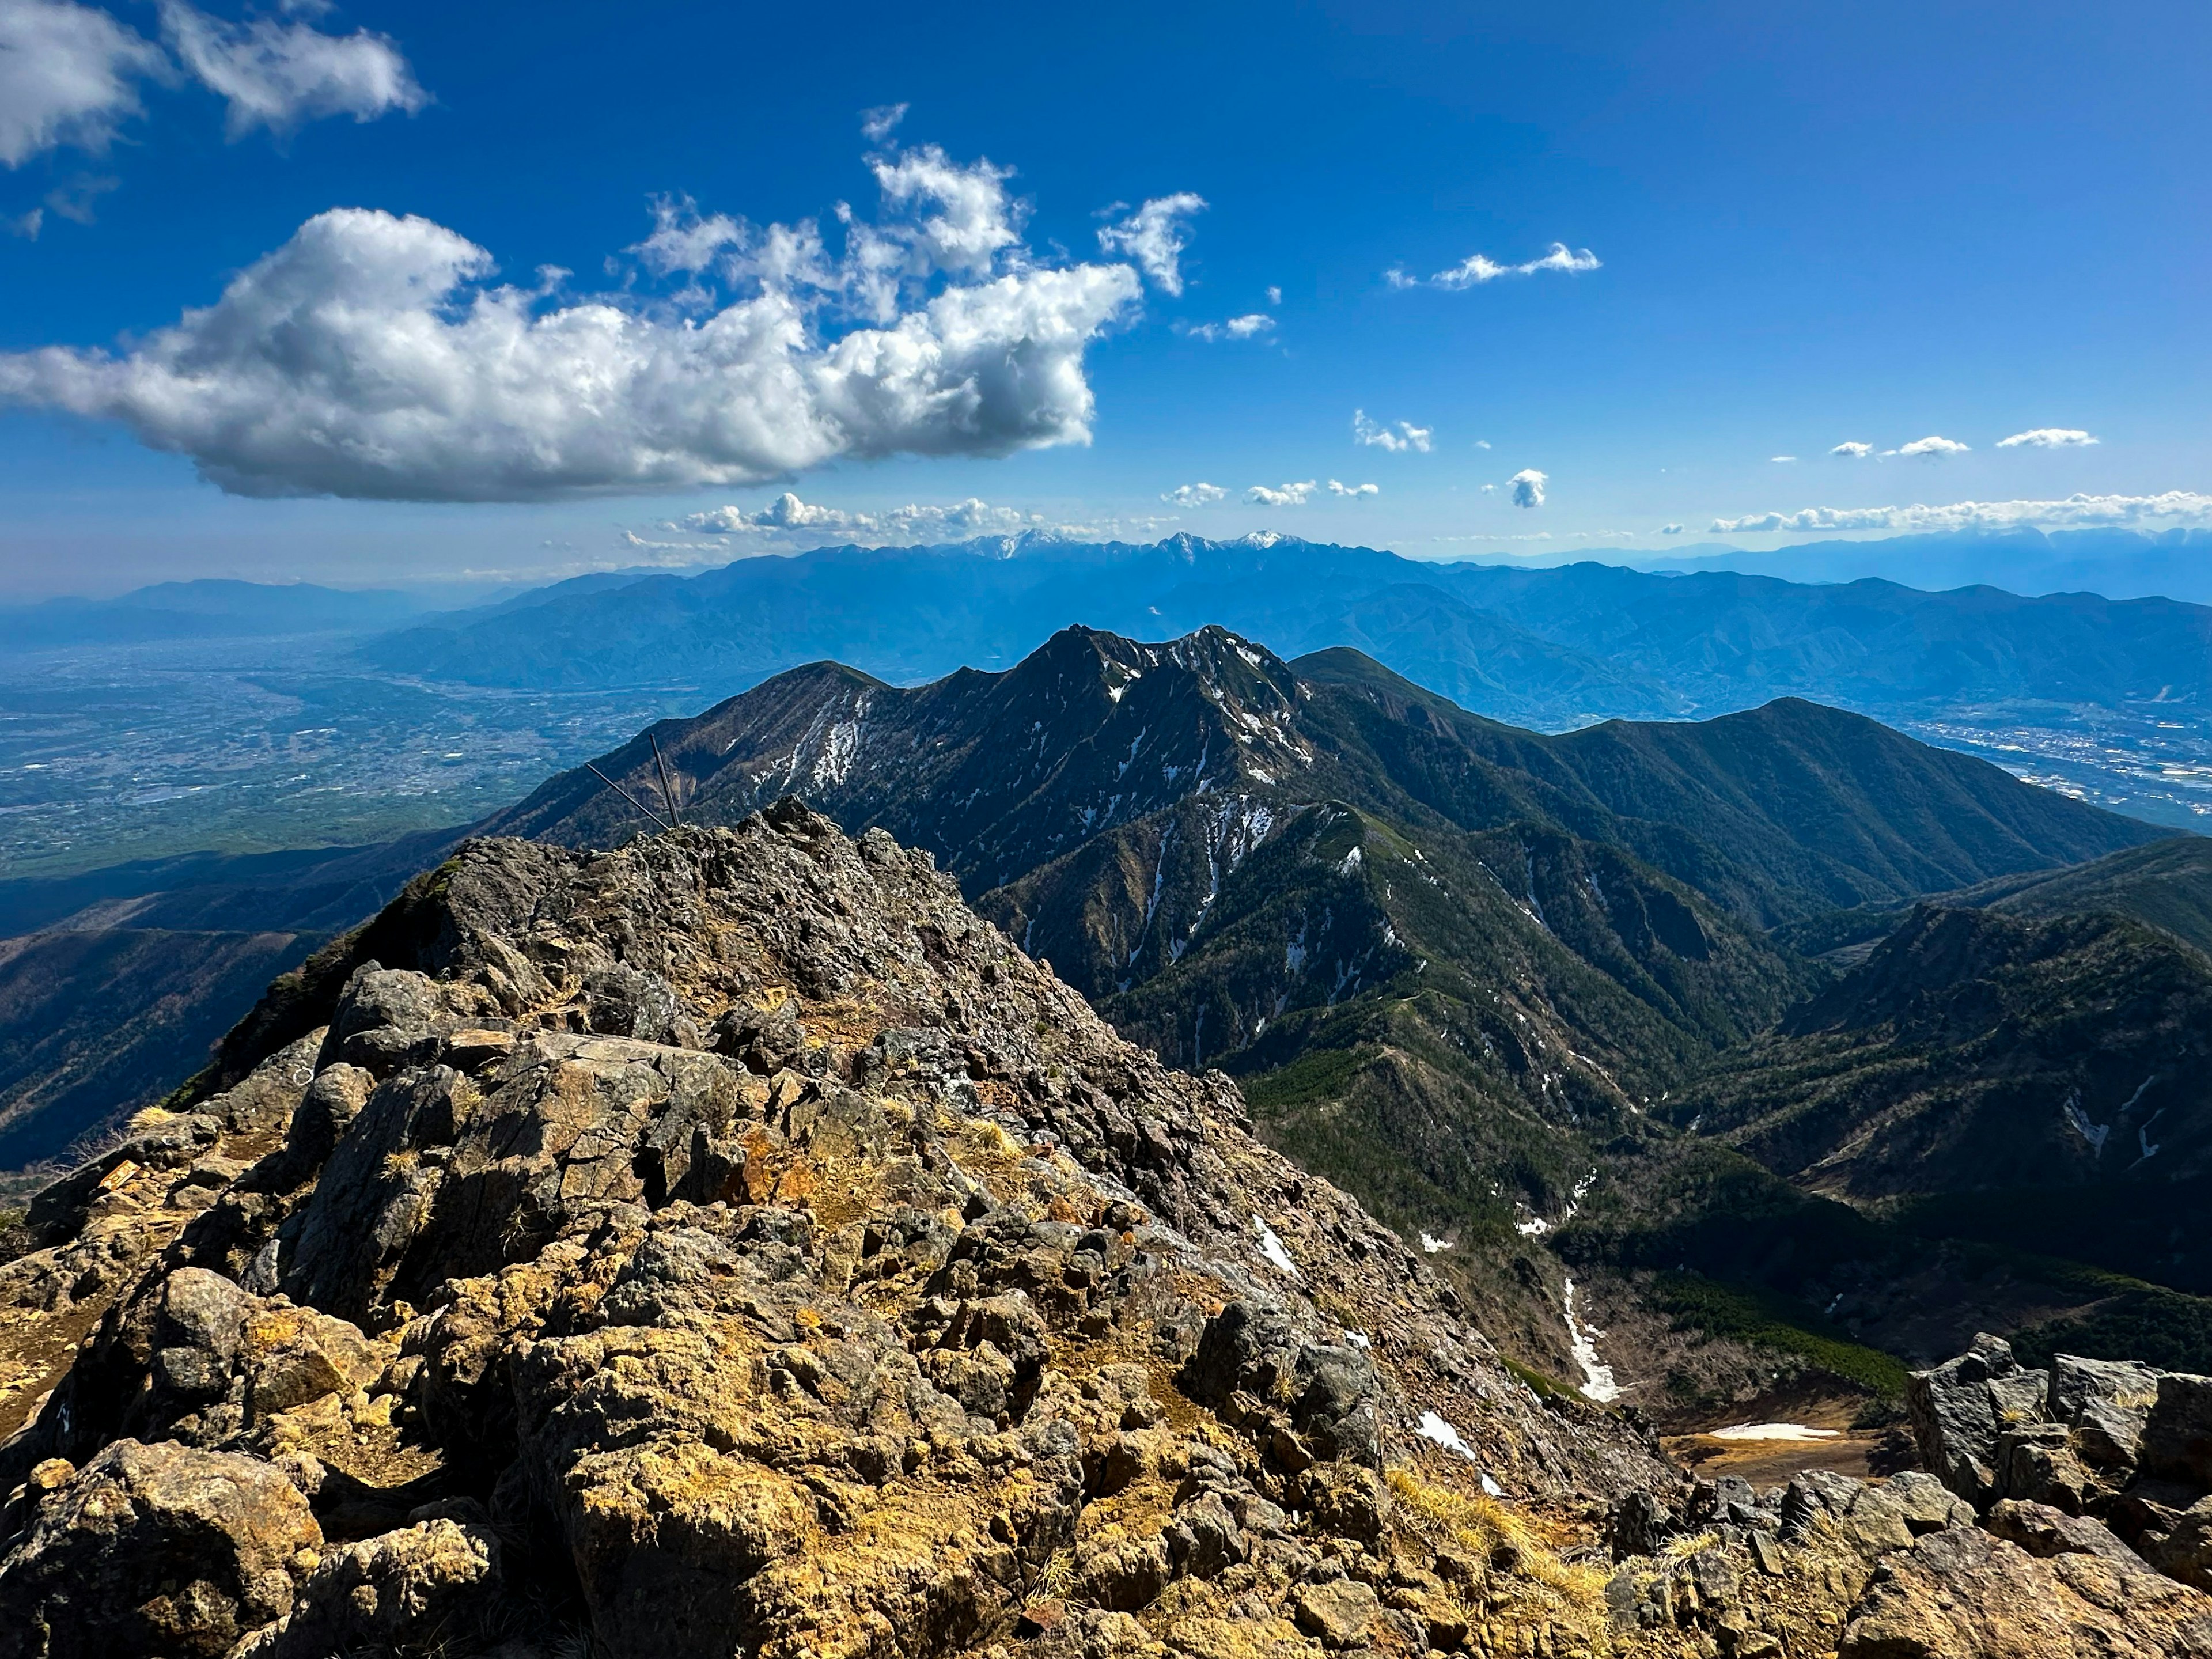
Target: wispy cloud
(879, 123)
(2175, 506)
(71, 74)
(1354, 490)
(373, 356)
(1477, 269)
(277, 75)
(1403, 437)
(1482, 443)
(1529, 487)
(1195, 495)
(1784, 459)
(2048, 437)
(1852, 450)
(1933, 448)
(1252, 326)
(1670, 529)
(1289, 495)
(1155, 236)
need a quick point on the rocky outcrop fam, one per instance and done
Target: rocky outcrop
(1964, 1594)
(731, 1246)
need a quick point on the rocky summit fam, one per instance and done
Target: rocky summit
(732, 1245)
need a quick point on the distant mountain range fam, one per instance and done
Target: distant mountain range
(2120, 564)
(204, 610)
(1453, 962)
(1548, 647)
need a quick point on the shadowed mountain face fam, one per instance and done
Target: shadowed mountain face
(2041, 1084)
(115, 985)
(98, 1022)
(1451, 958)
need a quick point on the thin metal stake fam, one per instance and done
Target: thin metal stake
(667, 794)
(627, 796)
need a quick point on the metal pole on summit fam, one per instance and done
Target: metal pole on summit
(667, 794)
(627, 796)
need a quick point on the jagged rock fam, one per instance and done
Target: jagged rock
(157, 1551)
(2043, 1531)
(2177, 1434)
(1958, 1409)
(407, 1593)
(1926, 1502)
(1641, 1524)
(1963, 1593)
(1866, 1518)
(1339, 1613)
(2036, 1462)
(2180, 1545)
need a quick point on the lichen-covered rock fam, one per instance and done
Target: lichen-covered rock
(157, 1551)
(1963, 1593)
(416, 1591)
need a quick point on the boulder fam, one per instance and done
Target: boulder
(2177, 1433)
(2036, 1462)
(2106, 1402)
(1964, 1594)
(1338, 1614)
(2044, 1532)
(1926, 1502)
(407, 1592)
(1959, 1408)
(2181, 1548)
(155, 1550)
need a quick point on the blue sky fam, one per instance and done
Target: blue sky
(1804, 227)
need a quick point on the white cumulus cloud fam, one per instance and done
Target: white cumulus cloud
(1529, 487)
(276, 75)
(1477, 269)
(1290, 495)
(1353, 490)
(1194, 495)
(2048, 437)
(2074, 512)
(68, 74)
(374, 356)
(1249, 326)
(1934, 449)
(1155, 236)
(1404, 437)
(1853, 450)
(787, 513)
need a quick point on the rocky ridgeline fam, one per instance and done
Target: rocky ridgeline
(730, 1245)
